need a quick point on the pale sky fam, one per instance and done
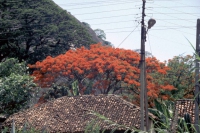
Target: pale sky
(175, 21)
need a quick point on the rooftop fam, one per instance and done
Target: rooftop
(72, 114)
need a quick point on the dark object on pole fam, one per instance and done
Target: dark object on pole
(151, 23)
(196, 93)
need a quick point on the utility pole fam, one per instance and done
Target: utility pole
(144, 115)
(197, 85)
(143, 90)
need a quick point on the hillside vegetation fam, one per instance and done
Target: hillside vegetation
(31, 30)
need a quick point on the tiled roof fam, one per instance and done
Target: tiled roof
(184, 106)
(71, 114)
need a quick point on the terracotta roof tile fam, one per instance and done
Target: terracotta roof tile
(69, 114)
(184, 106)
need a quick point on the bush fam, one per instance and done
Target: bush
(16, 86)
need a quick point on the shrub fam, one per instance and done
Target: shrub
(16, 86)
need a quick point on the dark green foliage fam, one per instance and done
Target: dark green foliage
(92, 127)
(31, 30)
(16, 87)
(164, 121)
(181, 76)
(75, 88)
(26, 129)
(12, 66)
(100, 33)
(185, 124)
(163, 114)
(182, 126)
(57, 91)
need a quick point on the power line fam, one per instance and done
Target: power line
(128, 35)
(111, 16)
(134, 21)
(110, 1)
(149, 44)
(154, 30)
(178, 25)
(106, 1)
(75, 4)
(122, 31)
(167, 27)
(100, 5)
(177, 10)
(122, 15)
(178, 7)
(175, 13)
(176, 19)
(185, 4)
(126, 9)
(114, 22)
(172, 16)
(96, 2)
(169, 40)
(106, 11)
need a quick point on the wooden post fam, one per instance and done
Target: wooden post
(143, 90)
(197, 85)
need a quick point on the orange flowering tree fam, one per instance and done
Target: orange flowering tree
(101, 69)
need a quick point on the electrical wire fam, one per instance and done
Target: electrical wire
(169, 40)
(174, 13)
(106, 11)
(97, 2)
(131, 21)
(122, 15)
(178, 25)
(186, 4)
(100, 5)
(176, 10)
(114, 22)
(175, 19)
(150, 45)
(128, 35)
(122, 31)
(172, 16)
(127, 10)
(110, 1)
(168, 27)
(155, 30)
(106, 4)
(110, 17)
(178, 7)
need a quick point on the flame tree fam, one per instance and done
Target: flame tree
(101, 69)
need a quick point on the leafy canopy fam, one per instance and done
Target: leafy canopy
(181, 76)
(31, 30)
(16, 86)
(100, 69)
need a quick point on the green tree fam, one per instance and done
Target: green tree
(180, 75)
(31, 30)
(102, 36)
(16, 86)
(100, 33)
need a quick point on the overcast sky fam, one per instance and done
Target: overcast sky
(175, 21)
